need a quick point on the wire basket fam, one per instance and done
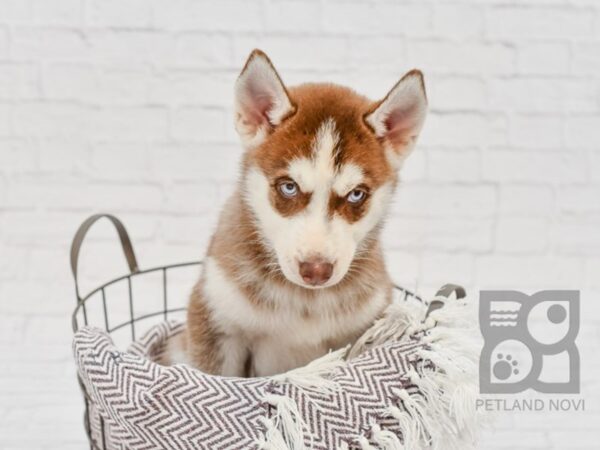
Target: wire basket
(95, 308)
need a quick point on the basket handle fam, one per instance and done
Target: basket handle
(445, 292)
(80, 236)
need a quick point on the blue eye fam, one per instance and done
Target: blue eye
(356, 196)
(288, 189)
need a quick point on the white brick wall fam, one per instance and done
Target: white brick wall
(125, 106)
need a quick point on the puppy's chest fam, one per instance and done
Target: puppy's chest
(279, 329)
(286, 338)
(274, 311)
(293, 321)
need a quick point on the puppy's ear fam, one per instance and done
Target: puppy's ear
(261, 100)
(398, 118)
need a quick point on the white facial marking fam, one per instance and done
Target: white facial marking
(326, 141)
(274, 349)
(302, 172)
(312, 232)
(348, 178)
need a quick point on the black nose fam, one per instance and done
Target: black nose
(316, 271)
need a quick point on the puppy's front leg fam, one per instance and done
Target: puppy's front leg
(234, 356)
(210, 349)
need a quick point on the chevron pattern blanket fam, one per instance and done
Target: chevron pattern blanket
(408, 383)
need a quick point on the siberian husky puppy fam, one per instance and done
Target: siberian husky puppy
(295, 267)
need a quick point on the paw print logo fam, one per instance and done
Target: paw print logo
(505, 367)
(529, 342)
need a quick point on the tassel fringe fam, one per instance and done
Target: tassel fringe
(315, 375)
(439, 415)
(285, 430)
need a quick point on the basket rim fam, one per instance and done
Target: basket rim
(82, 300)
(134, 270)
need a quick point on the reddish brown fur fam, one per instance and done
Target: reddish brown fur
(294, 138)
(237, 248)
(202, 335)
(237, 244)
(287, 206)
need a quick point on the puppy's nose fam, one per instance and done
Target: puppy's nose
(316, 271)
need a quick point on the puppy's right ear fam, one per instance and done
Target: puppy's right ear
(261, 100)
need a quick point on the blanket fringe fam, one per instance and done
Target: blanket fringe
(439, 415)
(394, 324)
(385, 439)
(445, 410)
(285, 429)
(316, 374)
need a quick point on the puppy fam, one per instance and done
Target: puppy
(295, 266)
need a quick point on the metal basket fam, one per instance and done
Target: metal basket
(98, 300)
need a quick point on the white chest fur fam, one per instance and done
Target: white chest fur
(286, 335)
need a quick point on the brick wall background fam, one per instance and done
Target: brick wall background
(125, 106)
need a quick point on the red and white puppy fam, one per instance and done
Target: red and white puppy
(295, 267)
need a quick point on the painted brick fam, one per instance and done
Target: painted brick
(117, 85)
(459, 21)
(58, 12)
(459, 166)
(528, 273)
(128, 46)
(451, 93)
(115, 13)
(130, 124)
(445, 201)
(126, 106)
(576, 237)
(202, 50)
(521, 235)
(18, 81)
(469, 58)
(460, 130)
(48, 44)
(45, 119)
(586, 59)
(284, 51)
(369, 18)
(539, 95)
(198, 124)
(298, 16)
(4, 46)
(524, 200)
(449, 234)
(192, 86)
(5, 120)
(595, 166)
(546, 58)
(510, 22)
(225, 15)
(538, 167)
(536, 132)
(442, 268)
(15, 11)
(581, 131)
(579, 200)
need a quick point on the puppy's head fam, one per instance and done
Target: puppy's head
(321, 164)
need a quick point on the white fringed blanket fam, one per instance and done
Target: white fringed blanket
(408, 383)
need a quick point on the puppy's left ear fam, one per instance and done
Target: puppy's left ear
(398, 118)
(261, 100)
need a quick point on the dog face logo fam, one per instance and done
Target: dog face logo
(529, 342)
(320, 166)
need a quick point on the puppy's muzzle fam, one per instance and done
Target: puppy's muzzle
(315, 271)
